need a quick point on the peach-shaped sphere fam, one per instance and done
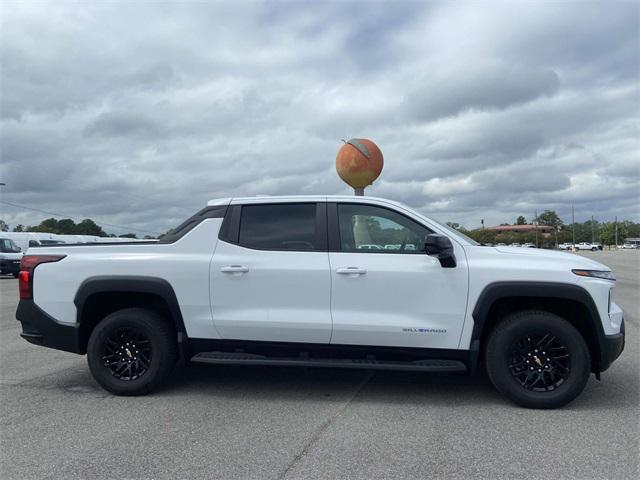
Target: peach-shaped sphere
(359, 162)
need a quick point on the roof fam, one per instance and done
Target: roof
(519, 228)
(298, 198)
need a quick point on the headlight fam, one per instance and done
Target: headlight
(605, 274)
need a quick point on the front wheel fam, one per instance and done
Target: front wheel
(537, 359)
(132, 351)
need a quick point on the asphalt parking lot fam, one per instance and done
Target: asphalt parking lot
(285, 423)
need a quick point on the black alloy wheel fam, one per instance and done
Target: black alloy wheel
(539, 362)
(132, 351)
(127, 353)
(537, 359)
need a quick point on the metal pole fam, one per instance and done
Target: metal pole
(573, 225)
(536, 225)
(616, 231)
(593, 239)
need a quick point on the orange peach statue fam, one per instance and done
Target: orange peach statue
(358, 163)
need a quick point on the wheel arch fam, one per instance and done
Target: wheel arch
(99, 296)
(571, 302)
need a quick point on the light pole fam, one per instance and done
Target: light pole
(535, 219)
(573, 226)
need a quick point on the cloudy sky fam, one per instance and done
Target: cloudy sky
(137, 114)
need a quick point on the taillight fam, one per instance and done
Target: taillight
(27, 266)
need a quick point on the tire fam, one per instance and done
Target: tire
(594, 249)
(530, 379)
(131, 369)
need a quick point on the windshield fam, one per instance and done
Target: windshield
(7, 245)
(456, 232)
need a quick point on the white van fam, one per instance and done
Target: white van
(26, 240)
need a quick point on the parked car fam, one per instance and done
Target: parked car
(529, 245)
(629, 246)
(284, 281)
(10, 256)
(565, 246)
(586, 246)
(515, 245)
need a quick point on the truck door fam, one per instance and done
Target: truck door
(270, 278)
(385, 289)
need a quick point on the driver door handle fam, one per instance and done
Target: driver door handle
(351, 271)
(235, 269)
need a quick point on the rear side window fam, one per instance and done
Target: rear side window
(290, 226)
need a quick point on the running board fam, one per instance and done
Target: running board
(224, 358)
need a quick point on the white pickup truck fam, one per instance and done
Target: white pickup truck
(587, 246)
(283, 281)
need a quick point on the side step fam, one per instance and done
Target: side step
(224, 358)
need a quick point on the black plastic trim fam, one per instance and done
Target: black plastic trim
(230, 229)
(9, 266)
(333, 231)
(500, 290)
(40, 328)
(132, 284)
(613, 345)
(423, 365)
(322, 350)
(214, 211)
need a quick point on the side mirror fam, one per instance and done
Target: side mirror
(440, 247)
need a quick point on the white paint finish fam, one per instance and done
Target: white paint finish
(397, 292)
(490, 265)
(282, 296)
(184, 264)
(285, 296)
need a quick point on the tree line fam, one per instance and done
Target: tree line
(589, 231)
(65, 226)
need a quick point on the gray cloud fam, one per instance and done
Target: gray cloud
(138, 114)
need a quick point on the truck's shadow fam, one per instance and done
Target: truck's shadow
(272, 383)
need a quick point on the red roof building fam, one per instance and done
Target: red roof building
(544, 229)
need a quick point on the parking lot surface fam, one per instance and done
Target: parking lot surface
(286, 423)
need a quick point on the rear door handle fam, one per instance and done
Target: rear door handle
(351, 271)
(235, 269)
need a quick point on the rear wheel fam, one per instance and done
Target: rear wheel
(132, 351)
(537, 359)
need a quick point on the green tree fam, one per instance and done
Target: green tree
(48, 225)
(89, 227)
(128, 235)
(18, 228)
(549, 218)
(3, 226)
(608, 233)
(521, 220)
(66, 226)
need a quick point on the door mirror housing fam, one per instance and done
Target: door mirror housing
(440, 247)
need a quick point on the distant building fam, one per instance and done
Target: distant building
(633, 241)
(545, 230)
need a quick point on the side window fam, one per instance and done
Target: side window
(33, 243)
(286, 226)
(366, 228)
